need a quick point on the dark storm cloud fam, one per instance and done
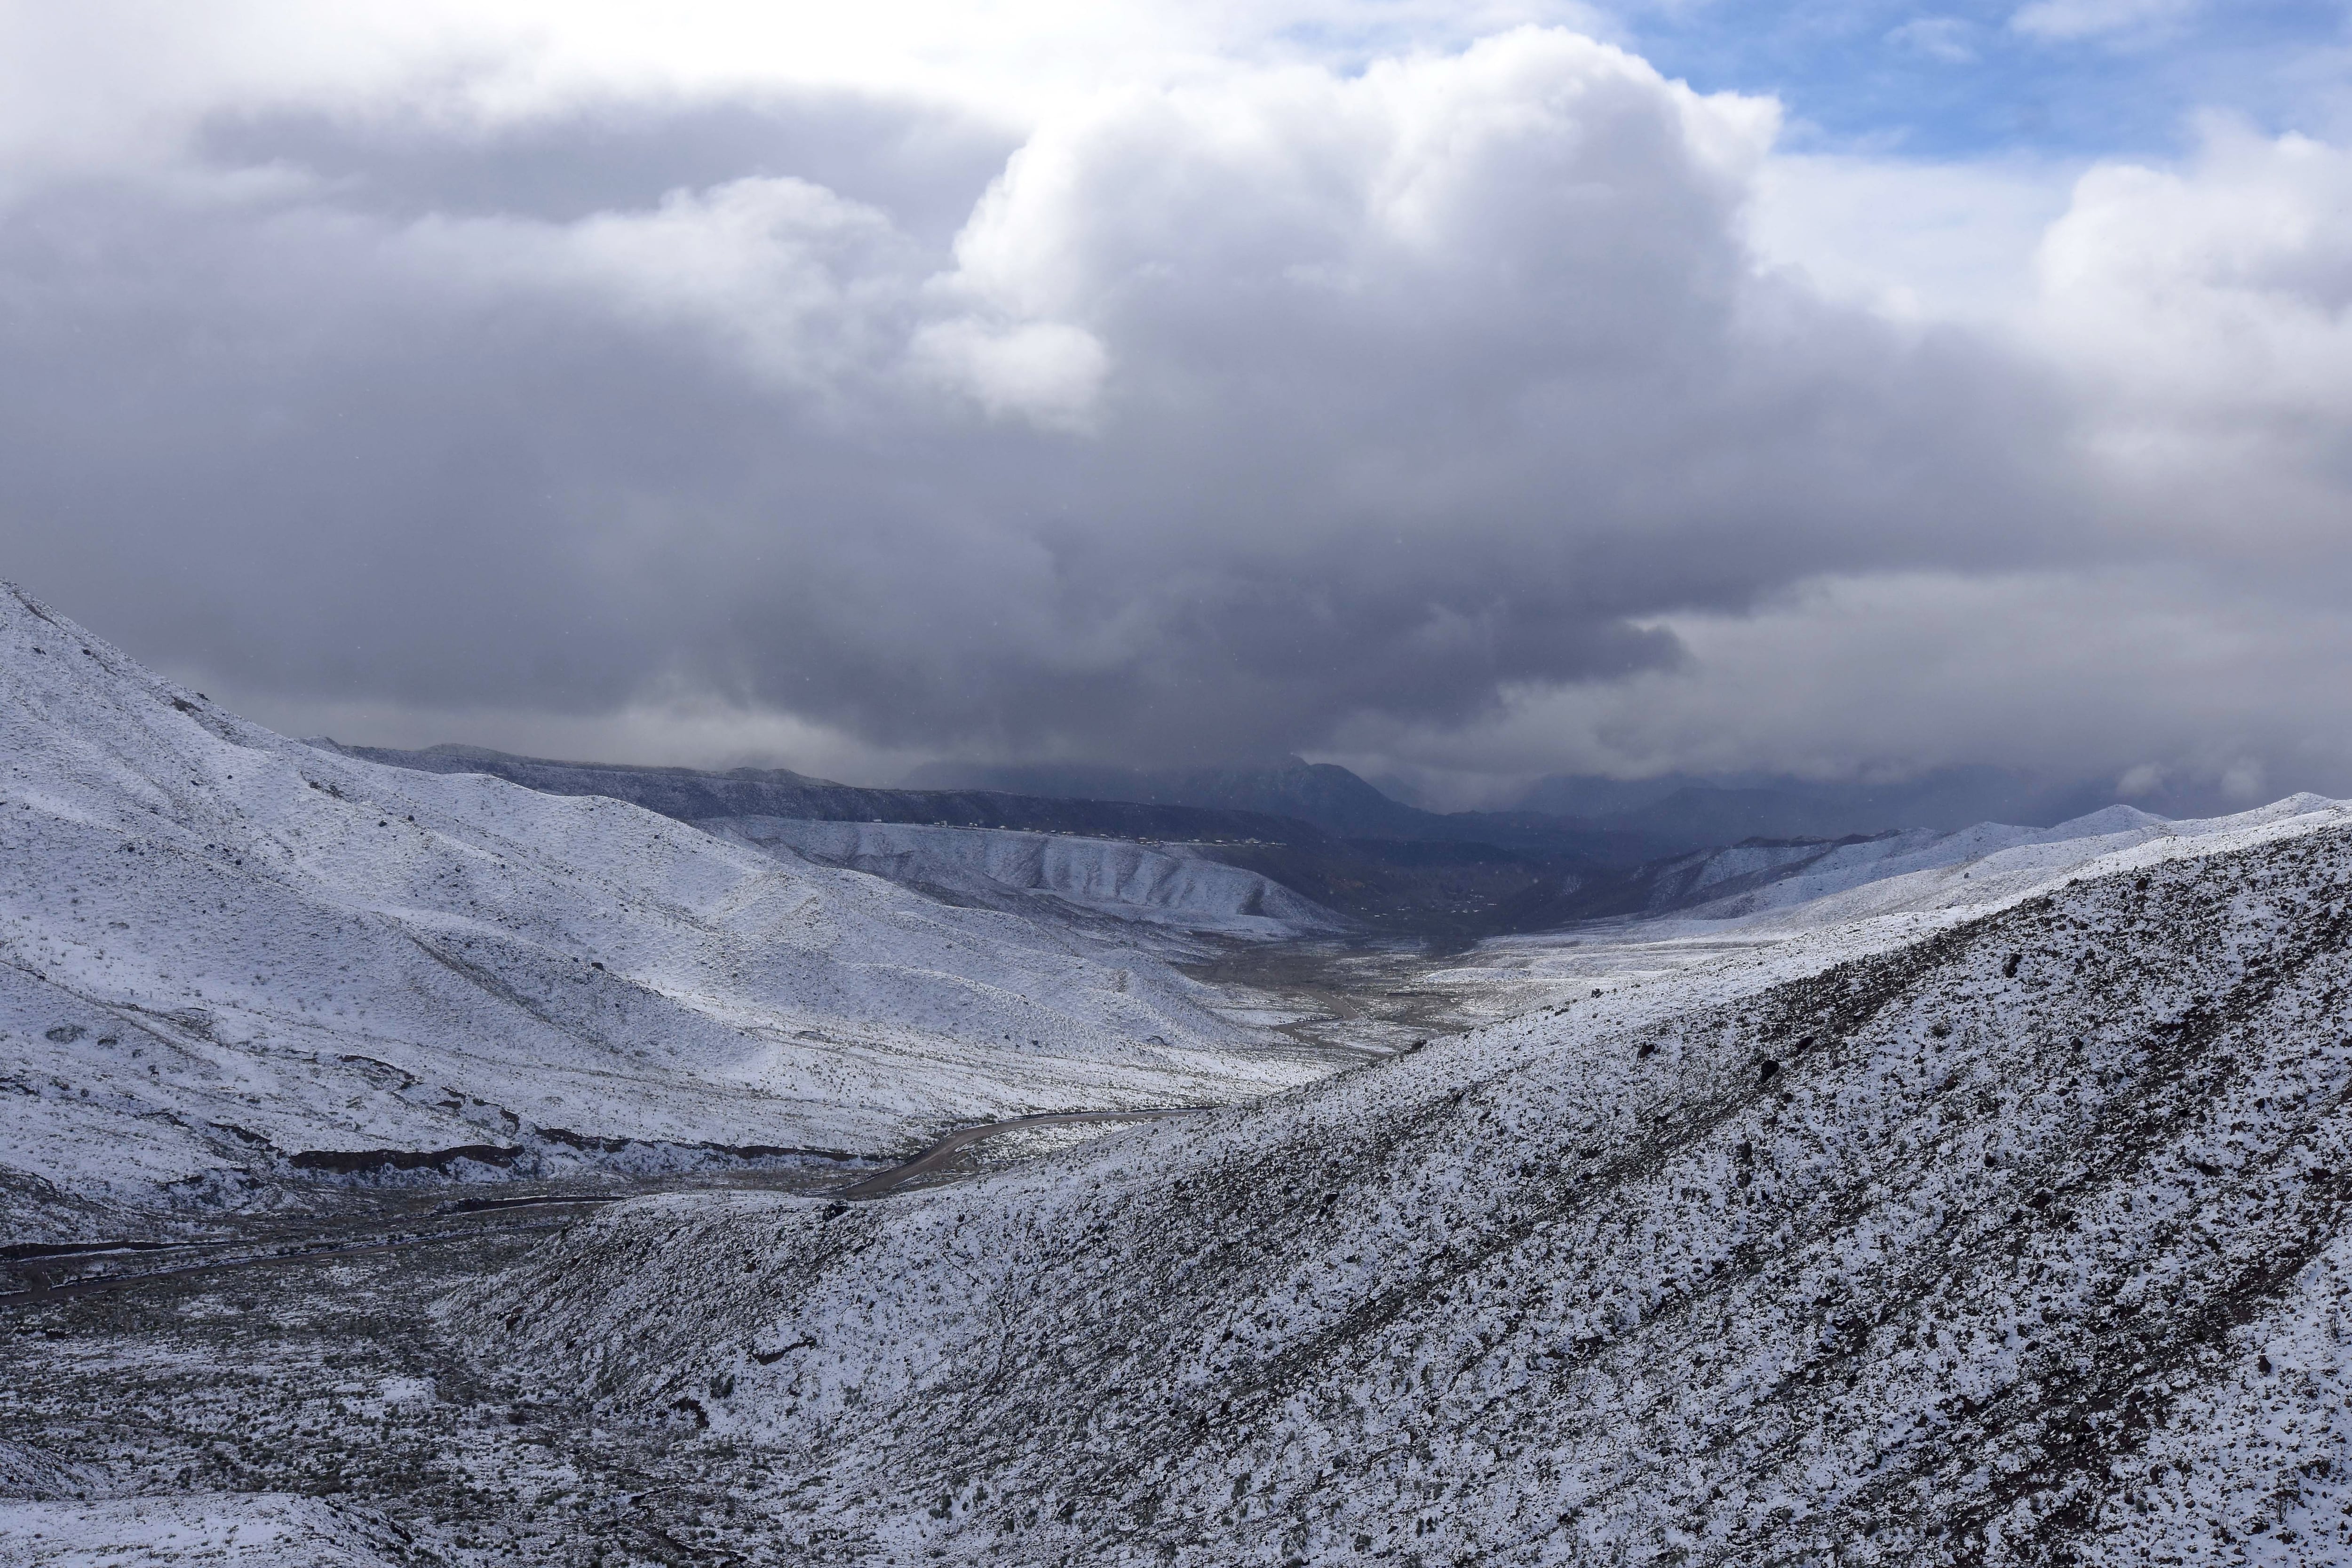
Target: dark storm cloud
(1239, 414)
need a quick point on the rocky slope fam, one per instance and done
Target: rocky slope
(228, 958)
(2018, 1241)
(252, 1530)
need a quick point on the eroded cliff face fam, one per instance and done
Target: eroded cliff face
(2022, 1241)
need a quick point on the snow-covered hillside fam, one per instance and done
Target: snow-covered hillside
(1816, 883)
(250, 1530)
(2018, 1241)
(225, 952)
(1051, 875)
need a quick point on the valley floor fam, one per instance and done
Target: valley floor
(200, 1407)
(276, 1390)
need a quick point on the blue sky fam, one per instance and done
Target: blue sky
(2080, 78)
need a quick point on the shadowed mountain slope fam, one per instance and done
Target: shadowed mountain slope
(1329, 796)
(1691, 812)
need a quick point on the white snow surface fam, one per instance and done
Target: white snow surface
(2002, 1233)
(220, 947)
(1988, 864)
(1865, 895)
(1168, 885)
(236, 1529)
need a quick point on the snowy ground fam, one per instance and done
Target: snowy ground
(2020, 1261)
(228, 959)
(250, 1530)
(2020, 1240)
(1971, 1197)
(313, 1409)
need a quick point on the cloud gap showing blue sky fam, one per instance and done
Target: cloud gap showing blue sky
(2073, 79)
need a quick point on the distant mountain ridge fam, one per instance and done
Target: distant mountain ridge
(691, 795)
(1683, 811)
(1321, 832)
(1340, 803)
(1326, 794)
(1620, 820)
(1426, 874)
(1181, 886)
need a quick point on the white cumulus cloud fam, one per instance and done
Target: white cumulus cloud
(1155, 380)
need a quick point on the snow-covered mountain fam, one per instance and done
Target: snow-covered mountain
(1989, 863)
(1815, 881)
(226, 955)
(2009, 1236)
(1054, 875)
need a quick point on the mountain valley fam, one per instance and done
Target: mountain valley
(430, 1158)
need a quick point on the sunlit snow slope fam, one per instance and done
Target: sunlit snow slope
(1721, 904)
(2022, 1241)
(1799, 885)
(226, 956)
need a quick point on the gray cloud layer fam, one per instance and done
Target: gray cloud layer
(1260, 413)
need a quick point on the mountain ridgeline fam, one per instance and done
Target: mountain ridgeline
(1341, 804)
(1317, 830)
(230, 962)
(1331, 839)
(691, 795)
(1969, 1197)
